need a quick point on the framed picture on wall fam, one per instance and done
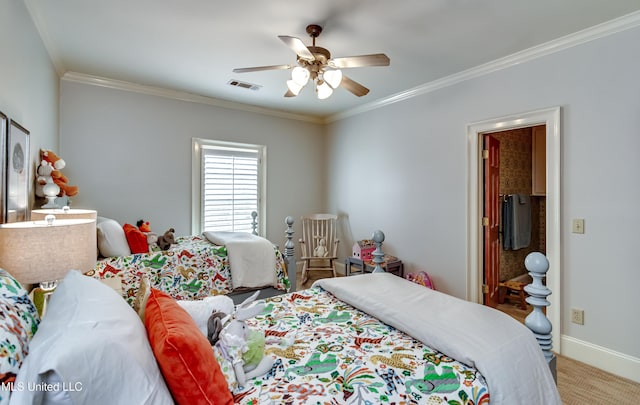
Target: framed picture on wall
(17, 175)
(3, 166)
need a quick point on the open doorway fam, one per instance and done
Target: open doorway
(550, 119)
(514, 219)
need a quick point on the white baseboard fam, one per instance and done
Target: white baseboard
(605, 359)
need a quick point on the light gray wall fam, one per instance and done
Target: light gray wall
(28, 81)
(130, 155)
(402, 169)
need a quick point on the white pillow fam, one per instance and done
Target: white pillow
(111, 238)
(92, 348)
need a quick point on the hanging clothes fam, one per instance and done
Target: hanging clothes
(516, 222)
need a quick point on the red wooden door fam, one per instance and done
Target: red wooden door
(491, 220)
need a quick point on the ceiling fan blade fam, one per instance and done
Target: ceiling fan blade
(259, 68)
(353, 86)
(376, 59)
(298, 47)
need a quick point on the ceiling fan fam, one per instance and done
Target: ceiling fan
(315, 63)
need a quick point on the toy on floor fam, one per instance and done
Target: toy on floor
(422, 278)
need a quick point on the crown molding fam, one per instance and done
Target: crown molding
(587, 35)
(183, 96)
(623, 23)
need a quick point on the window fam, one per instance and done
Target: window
(227, 185)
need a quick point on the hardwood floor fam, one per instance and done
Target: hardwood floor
(580, 383)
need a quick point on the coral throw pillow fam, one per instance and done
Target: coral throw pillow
(136, 239)
(185, 356)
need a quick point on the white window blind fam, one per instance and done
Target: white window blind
(230, 188)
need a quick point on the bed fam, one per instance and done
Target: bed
(372, 338)
(195, 266)
(378, 338)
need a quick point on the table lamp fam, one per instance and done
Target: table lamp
(63, 213)
(44, 251)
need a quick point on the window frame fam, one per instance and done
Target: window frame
(197, 177)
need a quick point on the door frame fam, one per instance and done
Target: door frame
(550, 117)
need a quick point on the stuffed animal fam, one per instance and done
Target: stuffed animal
(321, 249)
(49, 168)
(242, 347)
(167, 239)
(145, 228)
(43, 172)
(201, 310)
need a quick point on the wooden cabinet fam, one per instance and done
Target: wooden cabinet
(539, 161)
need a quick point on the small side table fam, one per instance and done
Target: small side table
(391, 265)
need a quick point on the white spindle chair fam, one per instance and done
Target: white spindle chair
(315, 255)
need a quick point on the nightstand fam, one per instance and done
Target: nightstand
(391, 265)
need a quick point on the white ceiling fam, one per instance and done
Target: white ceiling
(193, 45)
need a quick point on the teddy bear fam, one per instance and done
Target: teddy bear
(167, 239)
(49, 168)
(145, 228)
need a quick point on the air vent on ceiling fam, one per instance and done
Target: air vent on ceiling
(244, 85)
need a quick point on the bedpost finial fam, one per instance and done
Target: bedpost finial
(289, 220)
(254, 214)
(536, 262)
(378, 236)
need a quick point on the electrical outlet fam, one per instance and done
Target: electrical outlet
(577, 316)
(578, 225)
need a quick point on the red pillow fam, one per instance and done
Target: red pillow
(183, 353)
(136, 239)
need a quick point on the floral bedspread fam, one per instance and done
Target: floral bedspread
(193, 268)
(328, 352)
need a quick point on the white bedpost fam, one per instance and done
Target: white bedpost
(289, 253)
(538, 265)
(378, 254)
(254, 223)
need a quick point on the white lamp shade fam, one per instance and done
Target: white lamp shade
(324, 91)
(294, 87)
(60, 213)
(300, 75)
(34, 252)
(333, 77)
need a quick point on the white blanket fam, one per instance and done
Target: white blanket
(504, 351)
(252, 259)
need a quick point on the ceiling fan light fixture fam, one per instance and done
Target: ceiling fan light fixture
(294, 87)
(300, 75)
(333, 77)
(323, 90)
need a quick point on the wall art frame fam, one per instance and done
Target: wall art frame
(17, 173)
(3, 166)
